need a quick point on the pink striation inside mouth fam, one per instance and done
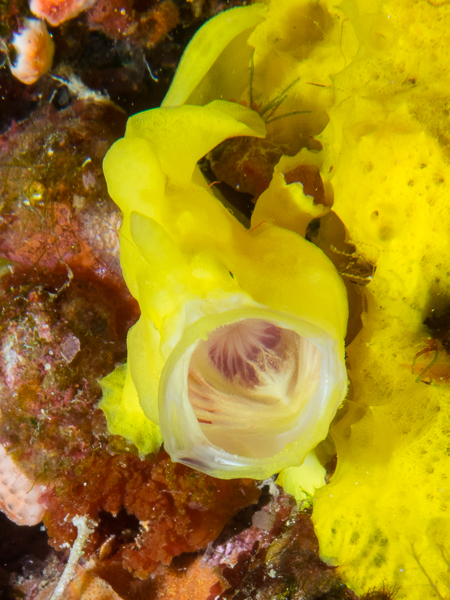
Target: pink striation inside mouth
(233, 348)
(248, 379)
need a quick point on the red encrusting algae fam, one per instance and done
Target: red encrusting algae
(176, 509)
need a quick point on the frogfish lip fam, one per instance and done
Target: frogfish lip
(247, 392)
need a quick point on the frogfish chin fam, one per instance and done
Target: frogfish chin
(247, 389)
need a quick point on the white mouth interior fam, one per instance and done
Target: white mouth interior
(250, 381)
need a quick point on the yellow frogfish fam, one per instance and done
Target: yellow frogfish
(238, 354)
(237, 360)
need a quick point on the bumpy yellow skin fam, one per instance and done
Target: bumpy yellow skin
(375, 77)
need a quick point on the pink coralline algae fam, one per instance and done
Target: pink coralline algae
(58, 11)
(278, 557)
(21, 499)
(35, 50)
(55, 342)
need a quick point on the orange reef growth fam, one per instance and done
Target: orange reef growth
(121, 20)
(58, 11)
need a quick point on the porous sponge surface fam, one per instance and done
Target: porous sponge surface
(384, 517)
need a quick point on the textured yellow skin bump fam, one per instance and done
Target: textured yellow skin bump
(125, 415)
(193, 267)
(302, 482)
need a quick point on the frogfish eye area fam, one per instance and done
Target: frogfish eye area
(250, 377)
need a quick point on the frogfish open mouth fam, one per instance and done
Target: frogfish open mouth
(246, 390)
